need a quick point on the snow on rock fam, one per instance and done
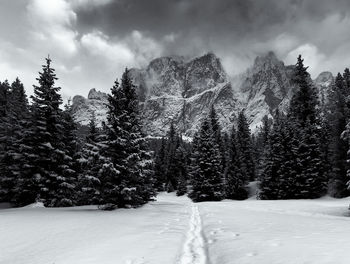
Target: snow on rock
(323, 82)
(265, 85)
(175, 89)
(83, 108)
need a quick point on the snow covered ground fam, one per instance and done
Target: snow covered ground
(174, 230)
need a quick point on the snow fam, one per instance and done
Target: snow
(288, 232)
(194, 248)
(175, 230)
(151, 234)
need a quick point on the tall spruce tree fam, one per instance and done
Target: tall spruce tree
(69, 165)
(43, 177)
(205, 174)
(277, 180)
(218, 137)
(90, 162)
(126, 180)
(181, 173)
(261, 144)
(13, 119)
(303, 112)
(6, 179)
(173, 142)
(337, 118)
(160, 167)
(303, 105)
(235, 180)
(244, 147)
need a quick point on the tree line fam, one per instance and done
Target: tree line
(301, 153)
(42, 159)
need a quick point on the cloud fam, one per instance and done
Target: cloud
(311, 55)
(92, 41)
(53, 22)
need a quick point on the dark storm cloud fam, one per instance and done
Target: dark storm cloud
(92, 41)
(239, 29)
(205, 17)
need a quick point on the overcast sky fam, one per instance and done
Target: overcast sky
(92, 41)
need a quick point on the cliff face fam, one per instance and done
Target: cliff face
(83, 108)
(173, 89)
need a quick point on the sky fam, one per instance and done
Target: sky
(92, 41)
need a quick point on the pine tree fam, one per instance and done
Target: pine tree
(270, 178)
(42, 177)
(346, 77)
(338, 147)
(173, 142)
(218, 137)
(310, 181)
(262, 139)
(160, 167)
(181, 173)
(235, 180)
(69, 166)
(6, 142)
(277, 180)
(90, 163)
(303, 106)
(126, 179)
(206, 177)
(244, 146)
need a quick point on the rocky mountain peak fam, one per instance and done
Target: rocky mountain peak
(322, 83)
(94, 94)
(324, 78)
(203, 73)
(162, 64)
(174, 89)
(267, 61)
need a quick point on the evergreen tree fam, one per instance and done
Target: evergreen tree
(206, 177)
(69, 166)
(173, 142)
(218, 137)
(261, 144)
(304, 102)
(42, 176)
(181, 173)
(90, 163)
(12, 108)
(160, 167)
(126, 178)
(277, 180)
(235, 180)
(244, 147)
(346, 77)
(338, 147)
(310, 181)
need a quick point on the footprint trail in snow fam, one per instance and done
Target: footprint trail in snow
(194, 247)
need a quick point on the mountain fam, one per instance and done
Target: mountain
(322, 83)
(265, 87)
(83, 108)
(173, 89)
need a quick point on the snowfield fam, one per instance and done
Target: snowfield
(175, 230)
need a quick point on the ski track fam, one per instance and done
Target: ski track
(194, 247)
